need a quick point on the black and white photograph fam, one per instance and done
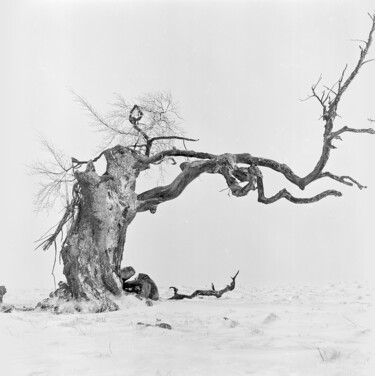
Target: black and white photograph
(188, 187)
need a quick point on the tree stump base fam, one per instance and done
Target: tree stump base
(62, 301)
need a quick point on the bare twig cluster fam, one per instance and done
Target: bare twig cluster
(56, 177)
(156, 130)
(70, 214)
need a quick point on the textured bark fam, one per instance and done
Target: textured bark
(93, 250)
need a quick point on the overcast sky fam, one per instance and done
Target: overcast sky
(238, 70)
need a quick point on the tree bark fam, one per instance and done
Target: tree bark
(93, 250)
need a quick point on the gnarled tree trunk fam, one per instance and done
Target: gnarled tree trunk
(93, 250)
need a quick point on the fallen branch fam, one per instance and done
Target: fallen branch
(212, 292)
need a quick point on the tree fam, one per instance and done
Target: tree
(99, 208)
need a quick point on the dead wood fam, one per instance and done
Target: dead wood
(212, 292)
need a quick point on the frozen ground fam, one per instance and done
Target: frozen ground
(250, 331)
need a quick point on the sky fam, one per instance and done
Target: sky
(238, 70)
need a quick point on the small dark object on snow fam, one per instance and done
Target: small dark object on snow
(26, 309)
(162, 325)
(142, 285)
(6, 308)
(149, 289)
(142, 323)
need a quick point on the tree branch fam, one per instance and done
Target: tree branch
(335, 135)
(360, 63)
(212, 292)
(241, 158)
(226, 165)
(149, 200)
(100, 120)
(330, 113)
(341, 179)
(174, 153)
(46, 242)
(78, 163)
(151, 140)
(288, 196)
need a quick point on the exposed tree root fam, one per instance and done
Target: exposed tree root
(212, 292)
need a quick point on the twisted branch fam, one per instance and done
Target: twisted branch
(335, 135)
(288, 196)
(341, 179)
(212, 292)
(150, 141)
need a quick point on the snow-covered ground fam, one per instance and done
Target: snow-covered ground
(250, 331)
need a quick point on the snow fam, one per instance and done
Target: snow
(305, 330)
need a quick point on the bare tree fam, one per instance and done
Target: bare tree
(99, 209)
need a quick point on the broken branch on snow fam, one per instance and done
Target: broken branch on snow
(212, 292)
